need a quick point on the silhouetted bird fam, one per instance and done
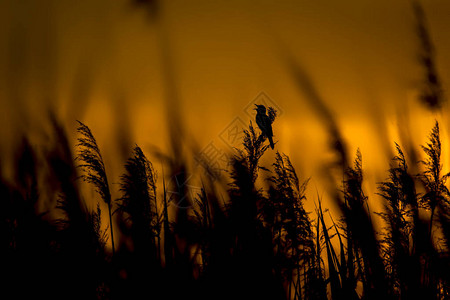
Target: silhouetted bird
(264, 123)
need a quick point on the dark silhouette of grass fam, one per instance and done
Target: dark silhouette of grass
(141, 219)
(437, 193)
(139, 203)
(292, 235)
(432, 91)
(94, 168)
(261, 243)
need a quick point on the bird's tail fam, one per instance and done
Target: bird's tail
(271, 142)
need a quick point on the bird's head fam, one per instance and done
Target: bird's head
(260, 108)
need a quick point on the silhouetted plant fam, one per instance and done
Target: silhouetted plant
(432, 177)
(401, 215)
(289, 223)
(432, 91)
(254, 149)
(81, 240)
(139, 203)
(94, 168)
(359, 225)
(261, 243)
(272, 114)
(203, 222)
(142, 223)
(436, 196)
(252, 242)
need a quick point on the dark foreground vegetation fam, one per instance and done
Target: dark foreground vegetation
(252, 243)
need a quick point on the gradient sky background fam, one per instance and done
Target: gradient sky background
(100, 62)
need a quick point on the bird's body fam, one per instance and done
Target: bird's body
(264, 123)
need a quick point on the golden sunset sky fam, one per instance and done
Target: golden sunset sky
(101, 62)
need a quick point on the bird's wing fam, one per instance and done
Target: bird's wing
(261, 123)
(268, 126)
